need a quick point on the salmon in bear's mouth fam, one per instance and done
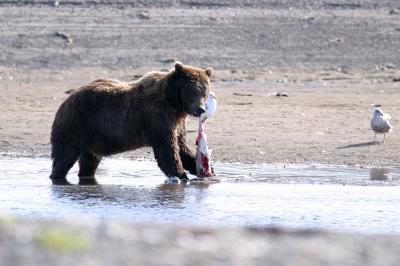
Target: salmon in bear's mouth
(203, 154)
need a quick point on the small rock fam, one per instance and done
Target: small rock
(337, 40)
(168, 60)
(396, 79)
(143, 15)
(394, 12)
(242, 94)
(64, 35)
(243, 103)
(308, 19)
(280, 94)
(69, 91)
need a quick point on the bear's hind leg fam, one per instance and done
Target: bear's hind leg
(64, 157)
(88, 163)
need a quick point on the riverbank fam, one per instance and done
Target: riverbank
(91, 242)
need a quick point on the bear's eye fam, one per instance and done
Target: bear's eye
(201, 90)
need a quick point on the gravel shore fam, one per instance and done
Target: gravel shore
(99, 243)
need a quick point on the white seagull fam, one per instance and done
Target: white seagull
(380, 123)
(211, 106)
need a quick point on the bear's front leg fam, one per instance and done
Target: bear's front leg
(187, 157)
(166, 152)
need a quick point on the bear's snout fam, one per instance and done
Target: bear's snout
(199, 111)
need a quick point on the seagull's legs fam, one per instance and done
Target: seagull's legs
(383, 138)
(375, 138)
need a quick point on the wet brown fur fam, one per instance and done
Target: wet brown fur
(109, 116)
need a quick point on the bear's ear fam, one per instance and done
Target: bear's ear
(209, 71)
(179, 68)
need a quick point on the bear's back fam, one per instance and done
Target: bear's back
(107, 85)
(148, 83)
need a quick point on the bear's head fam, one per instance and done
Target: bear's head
(192, 86)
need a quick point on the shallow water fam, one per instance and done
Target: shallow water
(297, 196)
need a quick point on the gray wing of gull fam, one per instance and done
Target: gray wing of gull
(380, 125)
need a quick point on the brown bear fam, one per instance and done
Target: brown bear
(108, 116)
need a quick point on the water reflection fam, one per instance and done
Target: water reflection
(379, 174)
(166, 195)
(82, 181)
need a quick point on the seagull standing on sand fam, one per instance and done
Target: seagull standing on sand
(211, 106)
(380, 123)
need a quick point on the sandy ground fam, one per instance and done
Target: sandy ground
(325, 118)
